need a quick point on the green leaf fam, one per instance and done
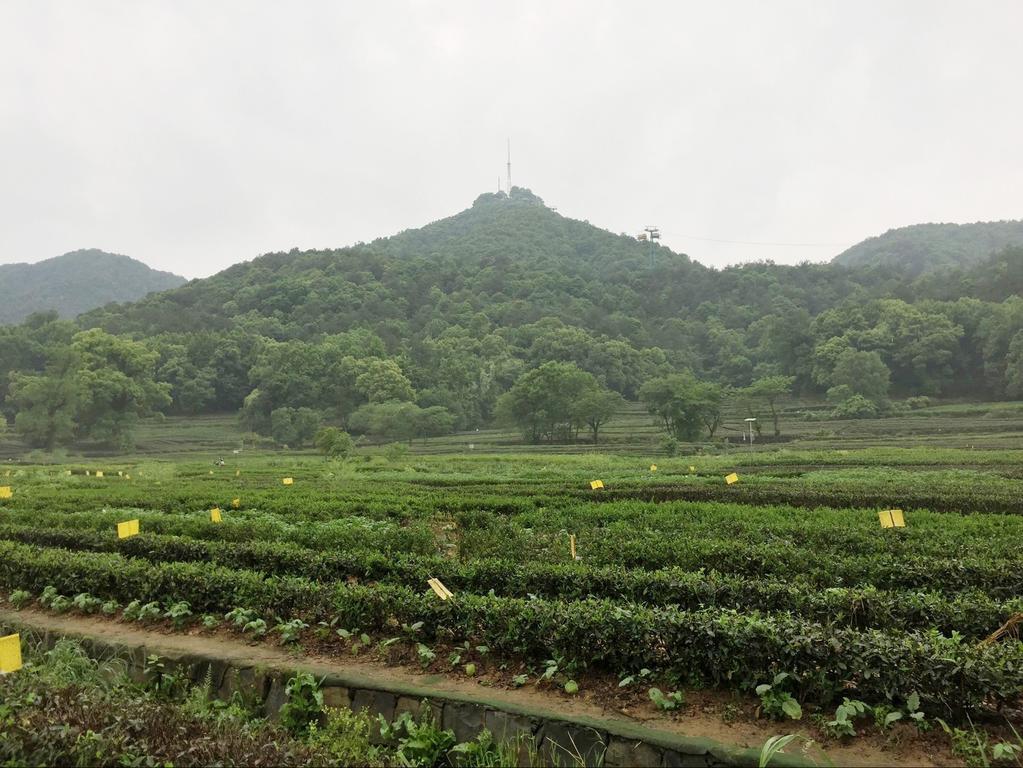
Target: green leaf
(791, 708)
(571, 687)
(913, 702)
(772, 747)
(891, 717)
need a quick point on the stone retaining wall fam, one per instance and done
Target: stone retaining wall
(611, 743)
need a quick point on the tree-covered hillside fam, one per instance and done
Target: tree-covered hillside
(509, 311)
(76, 282)
(516, 261)
(927, 247)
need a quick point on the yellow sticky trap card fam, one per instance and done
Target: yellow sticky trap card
(235, 503)
(211, 471)
(653, 467)
(10, 654)
(288, 481)
(692, 468)
(732, 478)
(891, 518)
(595, 484)
(127, 528)
(120, 473)
(6, 492)
(99, 473)
(237, 473)
(571, 544)
(215, 515)
(127, 477)
(439, 589)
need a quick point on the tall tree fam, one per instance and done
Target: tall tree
(863, 373)
(683, 404)
(542, 402)
(768, 390)
(597, 406)
(46, 405)
(116, 384)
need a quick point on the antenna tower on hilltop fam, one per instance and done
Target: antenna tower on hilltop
(509, 186)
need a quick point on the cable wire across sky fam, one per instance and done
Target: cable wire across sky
(754, 242)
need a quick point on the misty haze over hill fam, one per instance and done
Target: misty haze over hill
(927, 247)
(76, 282)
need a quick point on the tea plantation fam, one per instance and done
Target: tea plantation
(785, 578)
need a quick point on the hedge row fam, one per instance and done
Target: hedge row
(340, 533)
(971, 613)
(717, 647)
(965, 500)
(984, 559)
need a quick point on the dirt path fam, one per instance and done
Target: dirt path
(910, 750)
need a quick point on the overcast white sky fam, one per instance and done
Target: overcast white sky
(195, 134)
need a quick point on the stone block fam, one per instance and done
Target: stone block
(466, 720)
(674, 759)
(275, 699)
(417, 707)
(624, 753)
(571, 744)
(374, 703)
(505, 727)
(336, 697)
(248, 682)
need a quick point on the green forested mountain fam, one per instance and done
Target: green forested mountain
(491, 313)
(928, 247)
(76, 282)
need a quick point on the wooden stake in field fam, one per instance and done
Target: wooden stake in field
(439, 589)
(891, 518)
(571, 545)
(10, 654)
(1011, 628)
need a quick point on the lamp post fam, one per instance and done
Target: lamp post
(749, 430)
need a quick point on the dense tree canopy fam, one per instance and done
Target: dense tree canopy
(464, 318)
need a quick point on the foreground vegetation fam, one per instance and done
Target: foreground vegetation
(784, 579)
(64, 708)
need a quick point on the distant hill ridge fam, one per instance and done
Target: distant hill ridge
(76, 282)
(927, 247)
(516, 261)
